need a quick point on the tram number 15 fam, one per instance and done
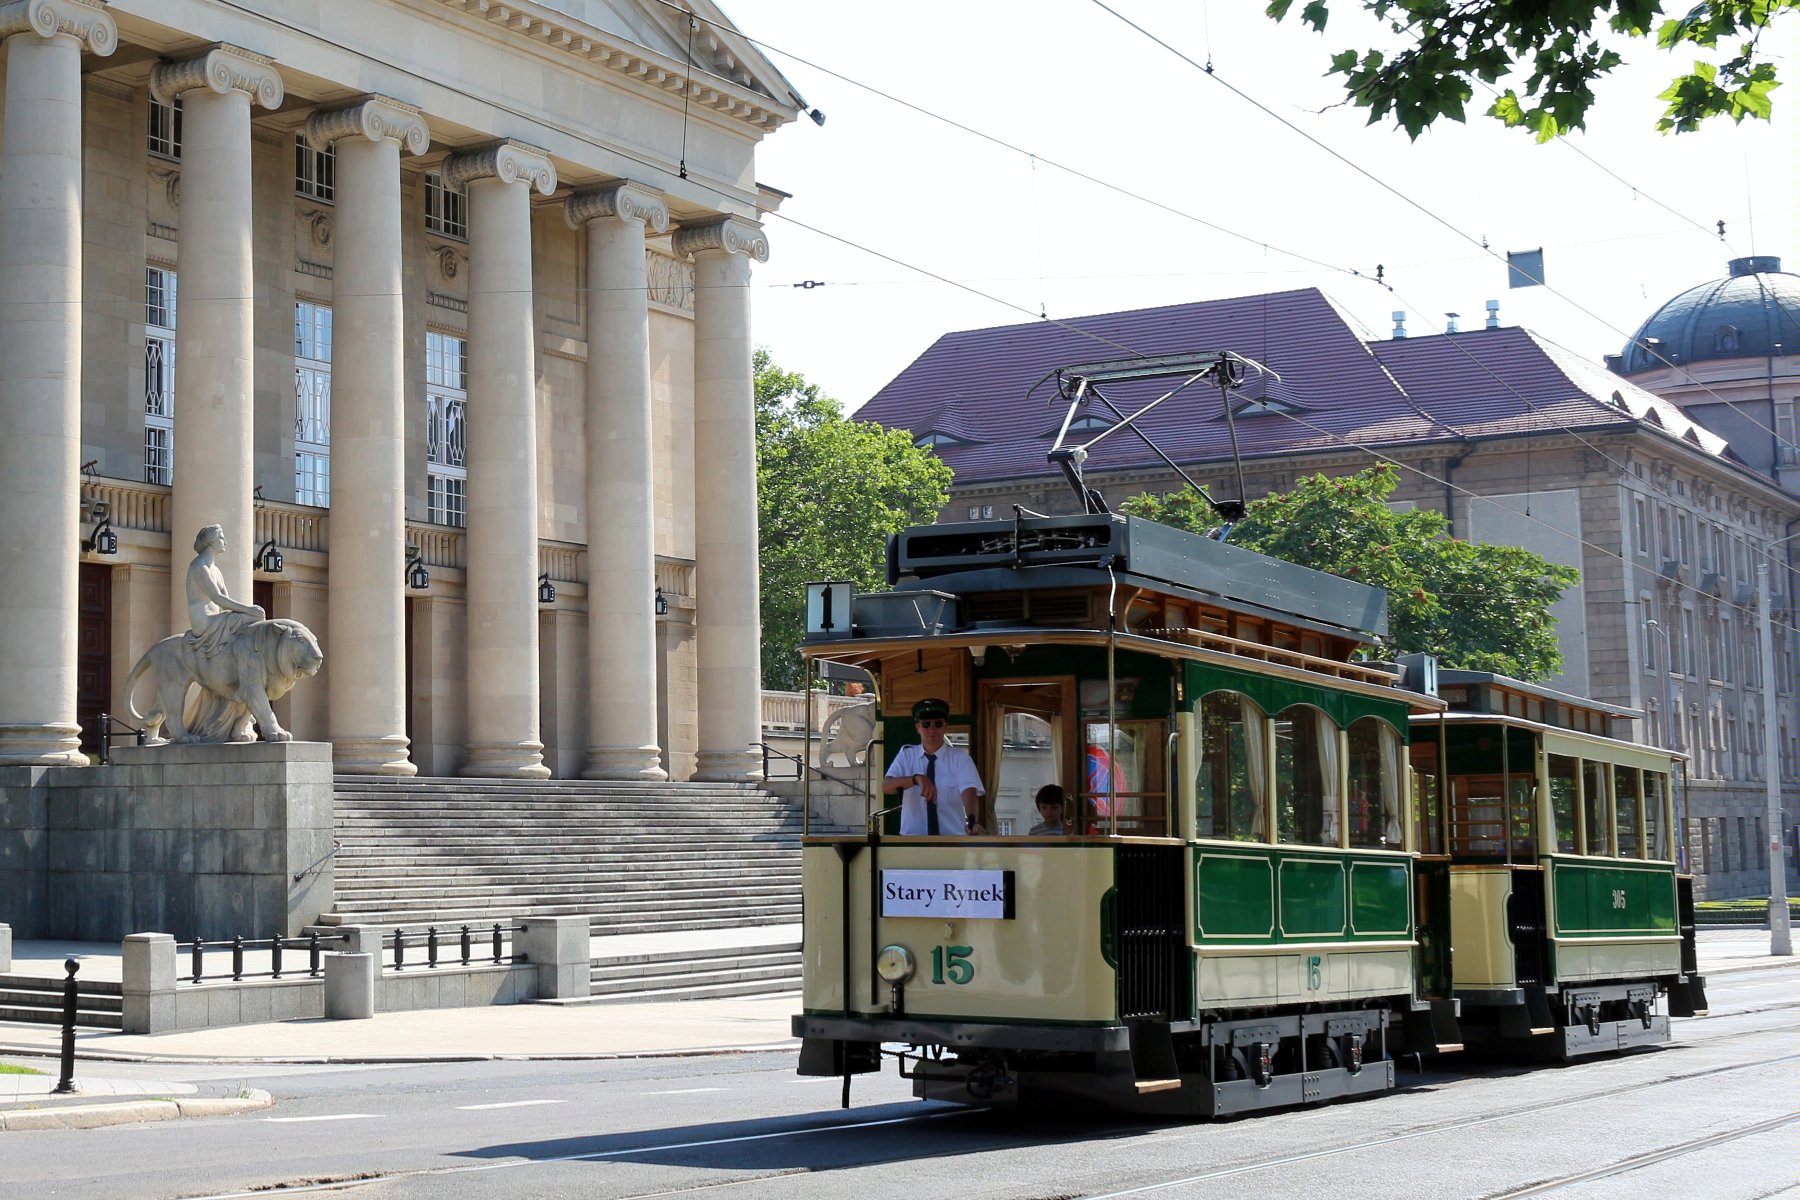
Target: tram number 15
(952, 964)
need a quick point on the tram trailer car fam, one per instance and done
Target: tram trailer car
(1554, 854)
(1247, 909)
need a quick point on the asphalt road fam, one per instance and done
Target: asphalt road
(1711, 1117)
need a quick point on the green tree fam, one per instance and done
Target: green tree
(829, 491)
(1566, 45)
(1476, 606)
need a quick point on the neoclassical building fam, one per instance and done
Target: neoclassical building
(441, 309)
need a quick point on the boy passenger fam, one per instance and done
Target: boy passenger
(1050, 803)
(939, 780)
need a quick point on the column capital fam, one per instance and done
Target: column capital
(83, 20)
(223, 68)
(372, 117)
(622, 201)
(508, 161)
(733, 235)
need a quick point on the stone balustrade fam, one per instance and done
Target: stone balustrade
(292, 526)
(129, 505)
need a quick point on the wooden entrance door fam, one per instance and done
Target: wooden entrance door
(93, 654)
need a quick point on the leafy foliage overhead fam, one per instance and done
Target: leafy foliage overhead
(1565, 45)
(1476, 606)
(829, 491)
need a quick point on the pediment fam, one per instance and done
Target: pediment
(648, 42)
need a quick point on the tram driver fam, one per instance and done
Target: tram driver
(940, 785)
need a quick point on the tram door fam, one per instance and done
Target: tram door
(1029, 746)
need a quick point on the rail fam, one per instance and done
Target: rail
(465, 942)
(324, 858)
(1275, 654)
(107, 724)
(312, 943)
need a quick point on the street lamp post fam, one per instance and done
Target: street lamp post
(1780, 937)
(1669, 738)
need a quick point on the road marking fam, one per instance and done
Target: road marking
(329, 1117)
(507, 1104)
(684, 1092)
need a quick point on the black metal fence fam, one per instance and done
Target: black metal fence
(495, 949)
(312, 943)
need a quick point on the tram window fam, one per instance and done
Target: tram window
(1564, 787)
(1656, 824)
(1126, 768)
(1029, 715)
(1427, 802)
(1596, 801)
(1374, 758)
(1233, 773)
(1306, 777)
(1625, 800)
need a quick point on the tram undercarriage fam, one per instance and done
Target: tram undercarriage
(1206, 1068)
(1578, 1019)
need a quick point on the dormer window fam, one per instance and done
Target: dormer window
(1265, 407)
(1725, 339)
(931, 441)
(1089, 423)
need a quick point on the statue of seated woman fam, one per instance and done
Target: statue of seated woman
(213, 616)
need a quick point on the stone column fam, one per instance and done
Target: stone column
(367, 625)
(622, 741)
(40, 379)
(502, 460)
(728, 629)
(214, 338)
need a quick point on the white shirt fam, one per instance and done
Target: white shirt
(955, 771)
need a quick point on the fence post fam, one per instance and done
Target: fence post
(558, 948)
(148, 983)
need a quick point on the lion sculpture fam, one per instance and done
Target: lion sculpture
(848, 732)
(262, 662)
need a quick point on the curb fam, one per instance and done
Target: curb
(376, 1060)
(94, 1116)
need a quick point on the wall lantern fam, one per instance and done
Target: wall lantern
(267, 559)
(417, 577)
(546, 589)
(662, 603)
(103, 540)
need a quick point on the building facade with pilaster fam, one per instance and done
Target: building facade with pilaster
(441, 309)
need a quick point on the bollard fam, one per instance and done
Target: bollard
(349, 987)
(465, 945)
(66, 1084)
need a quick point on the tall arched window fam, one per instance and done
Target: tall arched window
(1231, 790)
(1374, 762)
(1306, 777)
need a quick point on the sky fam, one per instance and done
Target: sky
(907, 228)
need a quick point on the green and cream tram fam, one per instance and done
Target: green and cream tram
(1228, 924)
(1554, 852)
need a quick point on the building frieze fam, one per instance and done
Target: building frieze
(619, 201)
(83, 20)
(374, 117)
(222, 69)
(671, 280)
(733, 235)
(506, 161)
(730, 95)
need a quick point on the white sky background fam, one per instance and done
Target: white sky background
(1069, 82)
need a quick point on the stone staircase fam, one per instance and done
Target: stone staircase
(651, 858)
(38, 1000)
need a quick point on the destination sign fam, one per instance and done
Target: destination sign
(947, 895)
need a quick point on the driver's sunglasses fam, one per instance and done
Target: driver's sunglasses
(931, 724)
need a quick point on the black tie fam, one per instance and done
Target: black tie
(931, 822)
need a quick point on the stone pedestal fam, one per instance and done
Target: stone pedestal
(200, 841)
(349, 987)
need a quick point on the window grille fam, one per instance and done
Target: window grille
(159, 375)
(164, 135)
(446, 207)
(446, 428)
(312, 404)
(315, 171)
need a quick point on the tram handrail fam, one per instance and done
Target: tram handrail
(1293, 658)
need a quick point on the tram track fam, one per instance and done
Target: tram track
(1640, 1161)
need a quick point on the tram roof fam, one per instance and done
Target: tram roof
(1099, 549)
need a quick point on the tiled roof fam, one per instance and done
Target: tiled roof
(972, 386)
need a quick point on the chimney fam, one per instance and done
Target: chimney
(1399, 324)
(1450, 322)
(1493, 311)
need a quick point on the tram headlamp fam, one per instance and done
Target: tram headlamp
(894, 964)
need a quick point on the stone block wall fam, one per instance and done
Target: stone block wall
(195, 841)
